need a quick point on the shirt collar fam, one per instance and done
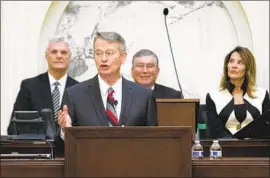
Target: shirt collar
(231, 86)
(104, 86)
(61, 81)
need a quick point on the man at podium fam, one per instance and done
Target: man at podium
(108, 99)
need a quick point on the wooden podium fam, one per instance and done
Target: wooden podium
(178, 112)
(128, 151)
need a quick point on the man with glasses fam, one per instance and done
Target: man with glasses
(145, 71)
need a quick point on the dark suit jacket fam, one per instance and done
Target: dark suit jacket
(86, 108)
(161, 91)
(35, 95)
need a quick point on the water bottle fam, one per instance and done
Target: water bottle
(197, 150)
(215, 150)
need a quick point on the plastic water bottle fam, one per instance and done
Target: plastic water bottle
(215, 150)
(197, 150)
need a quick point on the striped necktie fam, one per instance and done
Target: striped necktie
(56, 100)
(110, 109)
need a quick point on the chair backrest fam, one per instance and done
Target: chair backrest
(202, 122)
(203, 119)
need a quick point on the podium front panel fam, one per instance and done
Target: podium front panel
(128, 152)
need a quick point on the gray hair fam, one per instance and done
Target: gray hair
(57, 39)
(144, 52)
(111, 37)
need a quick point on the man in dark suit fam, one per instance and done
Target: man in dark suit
(145, 71)
(108, 99)
(37, 93)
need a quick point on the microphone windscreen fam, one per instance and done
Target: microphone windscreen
(166, 11)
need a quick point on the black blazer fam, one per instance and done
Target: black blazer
(86, 108)
(35, 95)
(161, 91)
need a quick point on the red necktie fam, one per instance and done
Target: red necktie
(110, 109)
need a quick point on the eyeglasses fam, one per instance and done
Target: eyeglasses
(99, 54)
(141, 66)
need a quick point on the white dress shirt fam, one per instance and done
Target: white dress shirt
(62, 84)
(117, 87)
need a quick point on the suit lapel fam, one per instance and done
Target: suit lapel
(127, 99)
(69, 82)
(96, 100)
(46, 91)
(158, 91)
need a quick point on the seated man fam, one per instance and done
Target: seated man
(145, 71)
(46, 90)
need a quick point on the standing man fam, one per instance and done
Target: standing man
(108, 99)
(145, 71)
(46, 90)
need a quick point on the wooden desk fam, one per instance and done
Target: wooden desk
(32, 168)
(26, 147)
(231, 148)
(227, 167)
(231, 167)
(240, 148)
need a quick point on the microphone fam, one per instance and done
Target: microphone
(165, 13)
(115, 102)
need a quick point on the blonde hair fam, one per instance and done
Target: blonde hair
(250, 76)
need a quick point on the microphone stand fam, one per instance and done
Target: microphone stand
(166, 12)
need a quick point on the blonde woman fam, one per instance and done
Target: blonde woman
(238, 101)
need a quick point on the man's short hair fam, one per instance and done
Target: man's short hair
(111, 37)
(57, 39)
(144, 52)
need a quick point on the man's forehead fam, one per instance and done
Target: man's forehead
(58, 45)
(146, 59)
(101, 44)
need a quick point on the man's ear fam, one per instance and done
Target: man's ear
(46, 52)
(123, 57)
(158, 70)
(69, 56)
